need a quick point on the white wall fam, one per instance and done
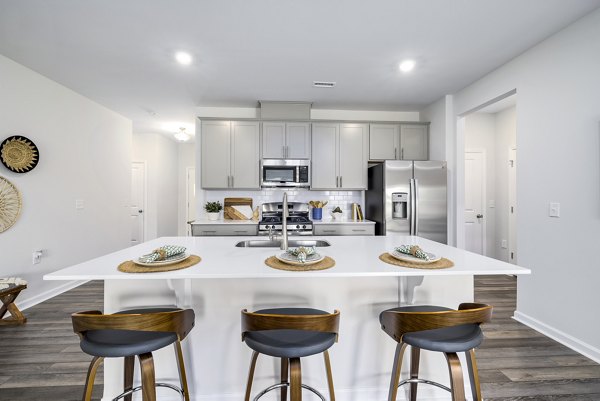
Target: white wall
(85, 153)
(558, 142)
(187, 159)
(161, 157)
(480, 134)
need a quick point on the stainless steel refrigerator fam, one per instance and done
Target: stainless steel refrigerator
(408, 197)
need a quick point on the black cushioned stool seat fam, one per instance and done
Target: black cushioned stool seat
(120, 343)
(440, 329)
(452, 339)
(134, 334)
(290, 343)
(290, 334)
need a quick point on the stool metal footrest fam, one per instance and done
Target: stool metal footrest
(423, 381)
(286, 384)
(138, 388)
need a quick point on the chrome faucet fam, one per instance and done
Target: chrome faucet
(284, 233)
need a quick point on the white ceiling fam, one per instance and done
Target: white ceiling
(120, 53)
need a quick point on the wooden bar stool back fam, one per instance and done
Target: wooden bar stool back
(289, 334)
(8, 296)
(131, 333)
(439, 329)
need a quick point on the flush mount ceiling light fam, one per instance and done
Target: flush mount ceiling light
(182, 135)
(183, 58)
(407, 65)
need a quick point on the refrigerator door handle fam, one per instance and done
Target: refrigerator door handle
(416, 207)
(412, 207)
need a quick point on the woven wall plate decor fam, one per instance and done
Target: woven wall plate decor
(10, 204)
(19, 154)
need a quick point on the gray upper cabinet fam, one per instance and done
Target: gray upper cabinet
(230, 154)
(281, 140)
(399, 142)
(414, 142)
(339, 156)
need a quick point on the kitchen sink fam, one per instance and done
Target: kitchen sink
(261, 243)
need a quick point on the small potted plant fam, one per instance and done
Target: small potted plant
(337, 213)
(213, 209)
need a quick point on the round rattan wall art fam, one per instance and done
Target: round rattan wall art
(19, 154)
(10, 204)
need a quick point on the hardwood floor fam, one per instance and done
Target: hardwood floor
(42, 360)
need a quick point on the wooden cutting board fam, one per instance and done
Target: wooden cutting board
(230, 213)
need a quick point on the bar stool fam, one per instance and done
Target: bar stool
(436, 328)
(131, 333)
(290, 334)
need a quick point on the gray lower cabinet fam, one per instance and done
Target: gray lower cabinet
(217, 230)
(344, 229)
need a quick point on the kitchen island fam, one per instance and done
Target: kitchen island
(229, 279)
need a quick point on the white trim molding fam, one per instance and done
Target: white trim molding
(44, 296)
(565, 339)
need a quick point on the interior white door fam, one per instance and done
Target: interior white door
(138, 196)
(512, 206)
(190, 197)
(474, 202)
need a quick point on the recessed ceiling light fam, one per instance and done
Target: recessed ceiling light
(407, 65)
(183, 58)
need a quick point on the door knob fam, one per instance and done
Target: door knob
(480, 216)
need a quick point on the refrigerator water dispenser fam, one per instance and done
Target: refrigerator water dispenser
(399, 205)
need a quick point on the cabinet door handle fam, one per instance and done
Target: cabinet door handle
(329, 231)
(337, 181)
(287, 151)
(240, 231)
(402, 153)
(283, 152)
(356, 230)
(395, 152)
(208, 232)
(341, 181)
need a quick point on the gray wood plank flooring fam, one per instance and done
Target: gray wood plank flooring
(42, 360)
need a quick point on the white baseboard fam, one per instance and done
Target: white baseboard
(24, 303)
(575, 344)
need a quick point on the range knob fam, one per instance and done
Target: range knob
(297, 226)
(304, 226)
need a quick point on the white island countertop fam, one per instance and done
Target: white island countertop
(355, 256)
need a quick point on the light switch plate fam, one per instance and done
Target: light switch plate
(79, 203)
(492, 203)
(554, 209)
(504, 244)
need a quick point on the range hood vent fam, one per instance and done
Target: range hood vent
(323, 84)
(284, 110)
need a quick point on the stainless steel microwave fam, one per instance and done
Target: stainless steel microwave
(284, 173)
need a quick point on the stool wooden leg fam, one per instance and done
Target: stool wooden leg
(295, 380)
(415, 356)
(148, 379)
(129, 366)
(251, 375)
(329, 375)
(284, 377)
(181, 368)
(91, 376)
(473, 375)
(456, 377)
(400, 348)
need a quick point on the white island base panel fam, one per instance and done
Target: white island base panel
(217, 360)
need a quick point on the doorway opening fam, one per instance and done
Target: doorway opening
(490, 155)
(138, 202)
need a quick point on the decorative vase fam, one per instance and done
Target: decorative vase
(213, 215)
(317, 213)
(336, 215)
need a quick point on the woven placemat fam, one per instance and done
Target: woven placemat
(130, 267)
(443, 263)
(275, 263)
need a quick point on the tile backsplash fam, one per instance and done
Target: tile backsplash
(343, 199)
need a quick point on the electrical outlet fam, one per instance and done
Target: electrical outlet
(492, 204)
(554, 209)
(36, 257)
(504, 244)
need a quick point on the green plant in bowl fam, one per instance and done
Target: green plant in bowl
(213, 207)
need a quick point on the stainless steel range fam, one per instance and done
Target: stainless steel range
(297, 224)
